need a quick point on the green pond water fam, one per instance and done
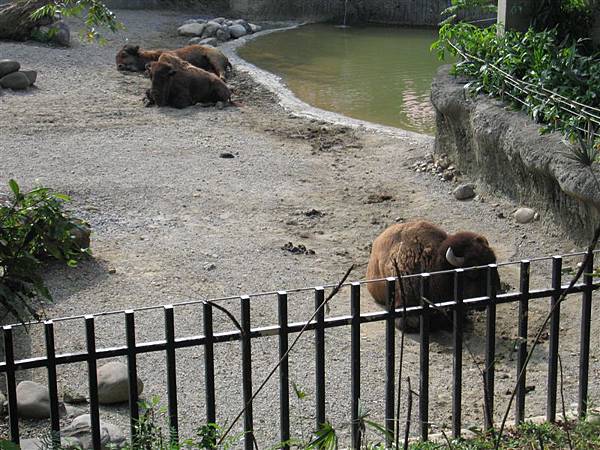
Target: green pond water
(374, 73)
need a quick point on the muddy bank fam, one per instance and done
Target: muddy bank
(174, 221)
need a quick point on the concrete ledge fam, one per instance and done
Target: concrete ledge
(503, 149)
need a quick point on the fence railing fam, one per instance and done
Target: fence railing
(456, 306)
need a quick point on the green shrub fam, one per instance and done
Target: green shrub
(33, 228)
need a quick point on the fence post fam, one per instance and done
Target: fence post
(458, 348)
(553, 339)
(584, 349)
(247, 373)
(11, 384)
(522, 344)
(320, 357)
(424, 359)
(284, 382)
(132, 373)
(209, 363)
(52, 386)
(490, 345)
(93, 380)
(390, 361)
(355, 362)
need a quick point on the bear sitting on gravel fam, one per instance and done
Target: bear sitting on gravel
(179, 84)
(134, 59)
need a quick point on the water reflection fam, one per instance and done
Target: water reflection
(375, 73)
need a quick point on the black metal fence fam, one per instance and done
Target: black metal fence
(455, 306)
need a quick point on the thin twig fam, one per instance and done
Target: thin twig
(536, 341)
(408, 415)
(334, 292)
(562, 400)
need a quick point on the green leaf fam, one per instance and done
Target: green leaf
(14, 187)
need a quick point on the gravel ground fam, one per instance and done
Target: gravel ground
(174, 221)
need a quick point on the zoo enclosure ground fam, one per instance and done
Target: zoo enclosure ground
(173, 221)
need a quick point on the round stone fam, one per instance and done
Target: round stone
(33, 400)
(31, 76)
(237, 31)
(8, 66)
(524, 215)
(15, 80)
(464, 192)
(113, 386)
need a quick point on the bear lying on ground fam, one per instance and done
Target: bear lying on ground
(133, 58)
(179, 84)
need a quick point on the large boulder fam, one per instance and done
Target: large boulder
(191, 29)
(113, 386)
(79, 434)
(210, 30)
(8, 66)
(31, 76)
(223, 34)
(63, 34)
(15, 80)
(245, 24)
(213, 42)
(237, 30)
(33, 400)
(255, 28)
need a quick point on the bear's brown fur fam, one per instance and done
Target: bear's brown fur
(133, 58)
(179, 84)
(421, 247)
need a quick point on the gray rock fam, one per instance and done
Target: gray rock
(255, 28)
(8, 66)
(223, 34)
(237, 31)
(31, 76)
(15, 80)
(63, 34)
(524, 215)
(464, 192)
(187, 22)
(213, 42)
(80, 433)
(245, 24)
(210, 29)
(195, 40)
(191, 29)
(229, 22)
(112, 383)
(219, 20)
(33, 400)
(74, 397)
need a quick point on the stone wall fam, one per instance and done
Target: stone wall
(504, 150)
(406, 12)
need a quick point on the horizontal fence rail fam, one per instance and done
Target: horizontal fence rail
(454, 307)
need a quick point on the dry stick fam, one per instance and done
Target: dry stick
(562, 401)
(402, 332)
(536, 341)
(408, 415)
(334, 292)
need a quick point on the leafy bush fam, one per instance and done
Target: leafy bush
(94, 13)
(33, 227)
(502, 65)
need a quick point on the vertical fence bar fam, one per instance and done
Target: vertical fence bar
(490, 345)
(284, 381)
(171, 373)
(132, 374)
(90, 334)
(11, 384)
(584, 349)
(209, 363)
(247, 373)
(522, 344)
(355, 361)
(320, 357)
(553, 339)
(458, 350)
(424, 359)
(390, 361)
(52, 384)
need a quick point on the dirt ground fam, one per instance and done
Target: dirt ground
(173, 221)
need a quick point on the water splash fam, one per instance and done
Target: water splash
(344, 25)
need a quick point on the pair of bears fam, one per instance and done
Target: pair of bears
(180, 77)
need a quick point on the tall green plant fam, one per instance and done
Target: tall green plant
(96, 16)
(34, 227)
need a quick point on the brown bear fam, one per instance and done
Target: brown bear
(179, 84)
(133, 58)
